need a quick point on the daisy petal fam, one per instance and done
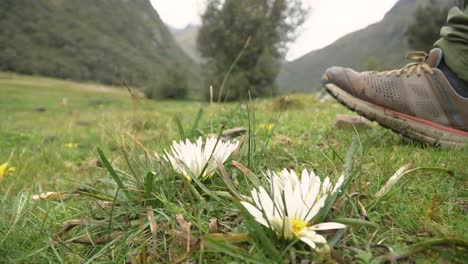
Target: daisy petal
(311, 238)
(327, 226)
(308, 242)
(190, 158)
(257, 214)
(339, 184)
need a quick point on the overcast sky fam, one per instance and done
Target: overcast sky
(328, 19)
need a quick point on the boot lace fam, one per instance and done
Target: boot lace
(419, 65)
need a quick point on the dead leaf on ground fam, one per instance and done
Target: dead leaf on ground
(283, 140)
(351, 121)
(213, 225)
(49, 196)
(185, 239)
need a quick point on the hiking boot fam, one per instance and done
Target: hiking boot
(416, 101)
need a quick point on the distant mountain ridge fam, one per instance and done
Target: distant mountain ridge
(382, 44)
(87, 40)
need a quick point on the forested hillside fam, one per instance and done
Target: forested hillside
(97, 40)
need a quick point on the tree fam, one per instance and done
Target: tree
(244, 42)
(172, 84)
(425, 30)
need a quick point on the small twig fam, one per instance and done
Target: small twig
(182, 258)
(363, 211)
(70, 224)
(239, 237)
(96, 241)
(391, 254)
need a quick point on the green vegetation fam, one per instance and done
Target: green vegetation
(50, 131)
(385, 41)
(251, 36)
(107, 42)
(172, 84)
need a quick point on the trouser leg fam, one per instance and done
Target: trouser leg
(454, 41)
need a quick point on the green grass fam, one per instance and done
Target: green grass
(423, 217)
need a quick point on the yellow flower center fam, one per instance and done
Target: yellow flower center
(297, 226)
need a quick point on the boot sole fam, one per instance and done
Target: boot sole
(406, 125)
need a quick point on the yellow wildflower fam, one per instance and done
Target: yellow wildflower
(71, 145)
(6, 170)
(268, 126)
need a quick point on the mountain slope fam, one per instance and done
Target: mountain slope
(105, 41)
(186, 38)
(382, 44)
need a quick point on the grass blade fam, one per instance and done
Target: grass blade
(403, 171)
(231, 251)
(112, 172)
(259, 234)
(355, 222)
(197, 121)
(149, 184)
(221, 89)
(180, 128)
(228, 180)
(205, 189)
(248, 173)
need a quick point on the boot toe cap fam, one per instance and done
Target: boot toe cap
(339, 77)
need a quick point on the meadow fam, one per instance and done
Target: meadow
(52, 132)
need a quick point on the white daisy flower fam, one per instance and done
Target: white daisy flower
(291, 205)
(190, 158)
